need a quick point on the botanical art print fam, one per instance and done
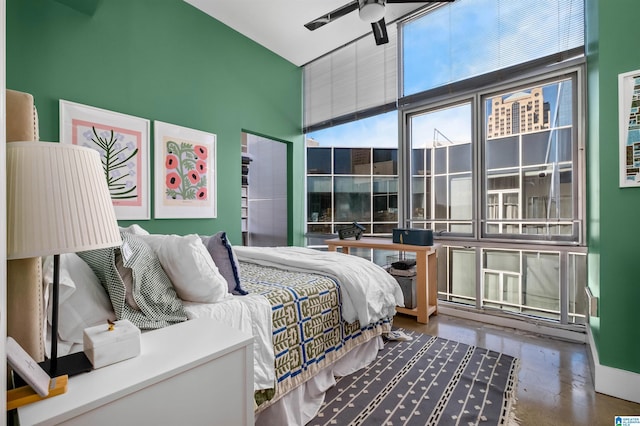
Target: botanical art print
(123, 144)
(629, 104)
(184, 172)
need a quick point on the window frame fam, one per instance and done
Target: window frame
(574, 69)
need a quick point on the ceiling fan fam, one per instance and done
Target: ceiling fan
(369, 11)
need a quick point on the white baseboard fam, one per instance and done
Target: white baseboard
(612, 381)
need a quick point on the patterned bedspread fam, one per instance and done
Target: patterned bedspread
(308, 330)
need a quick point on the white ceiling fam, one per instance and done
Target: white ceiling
(278, 25)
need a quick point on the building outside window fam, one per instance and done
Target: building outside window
(355, 184)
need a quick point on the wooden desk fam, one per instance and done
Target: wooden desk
(426, 278)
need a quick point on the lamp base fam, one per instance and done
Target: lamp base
(71, 365)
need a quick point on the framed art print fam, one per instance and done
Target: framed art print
(123, 143)
(185, 172)
(629, 128)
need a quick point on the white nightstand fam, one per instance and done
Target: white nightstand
(199, 372)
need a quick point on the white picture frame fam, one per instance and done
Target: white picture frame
(629, 128)
(123, 143)
(185, 173)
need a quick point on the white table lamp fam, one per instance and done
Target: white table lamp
(57, 202)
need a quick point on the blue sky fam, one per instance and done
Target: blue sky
(432, 45)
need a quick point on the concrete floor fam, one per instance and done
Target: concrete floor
(554, 382)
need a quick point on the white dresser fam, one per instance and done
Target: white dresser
(199, 372)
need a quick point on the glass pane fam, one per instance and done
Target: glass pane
(464, 228)
(419, 199)
(548, 194)
(492, 286)
(440, 227)
(385, 161)
(499, 260)
(319, 199)
(417, 162)
(460, 158)
(319, 228)
(464, 39)
(576, 282)
(440, 161)
(384, 228)
(385, 199)
(463, 272)
(379, 131)
(319, 161)
(546, 147)
(352, 161)
(566, 194)
(440, 195)
(461, 197)
(505, 179)
(352, 199)
(537, 186)
(536, 148)
(523, 134)
(541, 280)
(503, 152)
(563, 114)
(444, 134)
(511, 289)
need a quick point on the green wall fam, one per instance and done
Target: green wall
(161, 60)
(613, 231)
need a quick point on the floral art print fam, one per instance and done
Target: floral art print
(185, 174)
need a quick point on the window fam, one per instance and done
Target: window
(526, 200)
(489, 158)
(441, 169)
(531, 190)
(352, 175)
(469, 38)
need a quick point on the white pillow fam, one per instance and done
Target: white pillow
(83, 302)
(188, 264)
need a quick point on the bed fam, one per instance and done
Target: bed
(314, 315)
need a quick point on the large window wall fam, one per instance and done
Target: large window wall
(504, 198)
(489, 156)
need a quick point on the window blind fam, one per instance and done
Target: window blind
(469, 38)
(356, 78)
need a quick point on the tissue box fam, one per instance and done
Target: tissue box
(414, 237)
(104, 347)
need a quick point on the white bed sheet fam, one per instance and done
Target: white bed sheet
(369, 293)
(250, 314)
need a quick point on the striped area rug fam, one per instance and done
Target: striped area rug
(426, 381)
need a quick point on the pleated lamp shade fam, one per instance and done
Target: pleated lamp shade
(57, 201)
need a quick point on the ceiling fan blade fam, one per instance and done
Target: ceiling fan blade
(332, 16)
(380, 32)
(420, 1)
